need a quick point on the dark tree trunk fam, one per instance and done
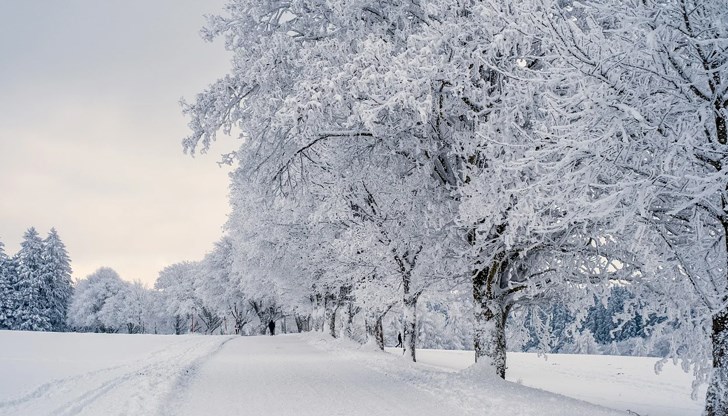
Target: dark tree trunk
(351, 312)
(331, 309)
(379, 332)
(375, 329)
(409, 320)
(240, 319)
(490, 320)
(410, 327)
(406, 263)
(331, 320)
(177, 325)
(716, 401)
(303, 323)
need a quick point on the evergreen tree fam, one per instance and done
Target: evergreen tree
(56, 272)
(7, 291)
(549, 328)
(599, 321)
(31, 289)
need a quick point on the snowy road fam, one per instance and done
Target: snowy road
(284, 376)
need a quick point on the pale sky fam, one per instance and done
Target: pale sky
(90, 131)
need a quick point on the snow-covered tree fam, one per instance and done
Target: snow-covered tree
(274, 256)
(529, 134)
(445, 320)
(311, 120)
(32, 290)
(220, 289)
(177, 286)
(128, 309)
(88, 310)
(657, 75)
(7, 290)
(447, 99)
(56, 272)
(159, 321)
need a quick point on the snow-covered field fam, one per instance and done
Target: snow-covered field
(625, 383)
(97, 374)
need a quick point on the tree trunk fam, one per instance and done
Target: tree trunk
(177, 325)
(490, 320)
(409, 320)
(379, 332)
(318, 313)
(345, 304)
(349, 325)
(716, 401)
(375, 329)
(331, 320)
(410, 326)
(318, 321)
(303, 323)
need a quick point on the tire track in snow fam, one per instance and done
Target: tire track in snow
(59, 385)
(129, 389)
(52, 386)
(156, 369)
(169, 405)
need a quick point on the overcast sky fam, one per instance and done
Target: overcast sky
(90, 131)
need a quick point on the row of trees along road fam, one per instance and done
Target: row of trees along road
(35, 284)
(536, 149)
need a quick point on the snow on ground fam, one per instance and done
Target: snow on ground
(310, 374)
(624, 383)
(94, 374)
(475, 390)
(283, 375)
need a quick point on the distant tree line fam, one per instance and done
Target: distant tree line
(608, 326)
(35, 284)
(37, 294)
(205, 297)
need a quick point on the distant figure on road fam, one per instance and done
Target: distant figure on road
(272, 327)
(399, 341)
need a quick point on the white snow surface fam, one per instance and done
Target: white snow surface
(625, 383)
(95, 374)
(311, 374)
